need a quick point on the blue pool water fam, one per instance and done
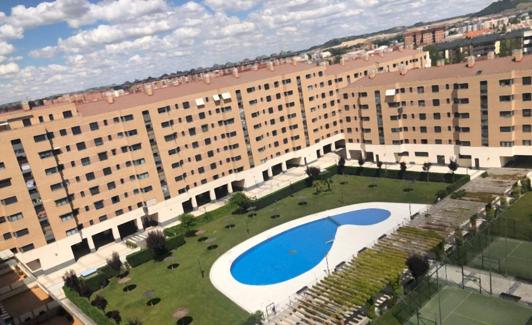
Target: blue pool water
(297, 250)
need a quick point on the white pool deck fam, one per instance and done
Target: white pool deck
(348, 241)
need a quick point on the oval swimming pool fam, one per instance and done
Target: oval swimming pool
(297, 250)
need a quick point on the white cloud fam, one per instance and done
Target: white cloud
(231, 5)
(7, 69)
(6, 48)
(112, 41)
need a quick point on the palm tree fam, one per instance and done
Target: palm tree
(426, 168)
(453, 166)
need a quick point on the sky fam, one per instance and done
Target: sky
(51, 47)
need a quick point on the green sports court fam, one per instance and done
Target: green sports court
(506, 256)
(465, 307)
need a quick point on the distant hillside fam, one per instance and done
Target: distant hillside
(500, 6)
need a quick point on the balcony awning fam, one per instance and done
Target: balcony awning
(200, 102)
(390, 92)
(226, 96)
(216, 98)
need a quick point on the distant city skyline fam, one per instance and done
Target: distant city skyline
(68, 45)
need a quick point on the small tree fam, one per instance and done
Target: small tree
(361, 163)
(75, 283)
(313, 172)
(402, 167)
(156, 242)
(254, 319)
(453, 166)
(114, 315)
(114, 262)
(341, 166)
(473, 223)
(188, 221)
(426, 169)
(417, 265)
(99, 302)
(379, 167)
(241, 200)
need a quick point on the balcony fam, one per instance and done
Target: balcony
(26, 168)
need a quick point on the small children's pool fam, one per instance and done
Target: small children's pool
(297, 250)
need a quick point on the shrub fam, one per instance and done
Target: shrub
(140, 257)
(97, 281)
(82, 303)
(417, 265)
(99, 302)
(114, 262)
(241, 201)
(254, 319)
(156, 242)
(313, 172)
(187, 220)
(341, 166)
(175, 242)
(134, 322)
(114, 315)
(77, 284)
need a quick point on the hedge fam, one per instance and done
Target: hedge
(178, 230)
(85, 306)
(409, 175)
(140, 257)
(146, 255)
(97, 281)
(175, 242)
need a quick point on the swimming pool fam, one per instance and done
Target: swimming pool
(251, 275)
(299, 249)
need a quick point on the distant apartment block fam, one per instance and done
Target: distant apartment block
(77, 175)
(479, 113)
(424, 36)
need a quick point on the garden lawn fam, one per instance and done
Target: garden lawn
(185, 287)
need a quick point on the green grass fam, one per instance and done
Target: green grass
(521, 210)
(507, 256)
(184, 287)
(463, 307)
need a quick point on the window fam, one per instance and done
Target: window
(7, 236)
(102, 156)
(81, 146)
(435, 88)
(5, 182)
(67, 114)
(76, 130)
(26, 248)
(527, 97)
(107, 171)
(506, 98)
(22, 232)
(505, 82)
(527, 128)
(421, 154)
(72, 231)
(94, 126)
(90, 176)
(66, 217)
(10, 200)
(506, 128)
(98, 142)
(527, 112)
(85, 161)
(435, 102)
(98, 205)
(527, 80)
(15, 217)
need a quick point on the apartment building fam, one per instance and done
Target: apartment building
(479, 113)
(75, 176)
(424, 36)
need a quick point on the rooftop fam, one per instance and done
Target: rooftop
(228, 81)
(459, 70)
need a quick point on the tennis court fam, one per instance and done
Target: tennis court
(464, 307)
(506, 256)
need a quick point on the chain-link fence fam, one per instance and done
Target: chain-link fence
(500, 245)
